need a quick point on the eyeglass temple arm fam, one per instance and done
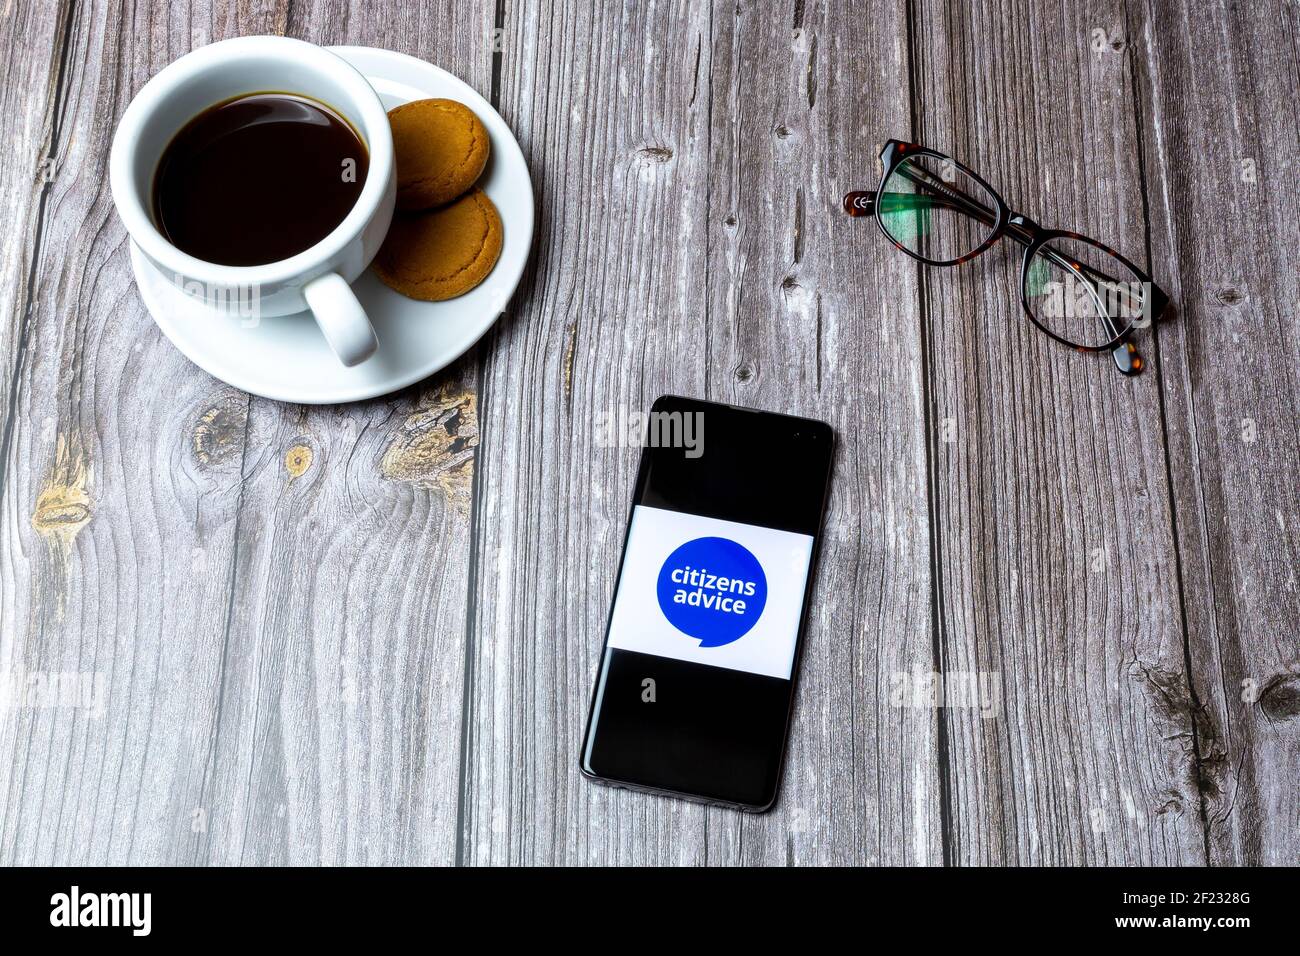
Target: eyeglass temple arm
(1125, 354)
(863, 202)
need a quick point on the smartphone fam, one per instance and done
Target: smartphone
(696, 680)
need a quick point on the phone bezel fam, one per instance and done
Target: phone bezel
(817, 431)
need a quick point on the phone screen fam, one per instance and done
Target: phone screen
(696, 680)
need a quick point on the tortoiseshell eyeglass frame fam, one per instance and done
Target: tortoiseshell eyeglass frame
(1029, 234)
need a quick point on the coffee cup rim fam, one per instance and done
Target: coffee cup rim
(132, 208)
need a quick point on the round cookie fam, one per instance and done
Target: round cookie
(442, 253)
(440, 148)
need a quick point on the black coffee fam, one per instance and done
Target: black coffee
(257, 179)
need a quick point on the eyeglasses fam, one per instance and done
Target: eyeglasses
(1080, 292)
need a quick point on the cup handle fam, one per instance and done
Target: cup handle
(344, 323)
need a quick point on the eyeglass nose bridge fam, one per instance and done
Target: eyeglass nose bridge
(1021, 227)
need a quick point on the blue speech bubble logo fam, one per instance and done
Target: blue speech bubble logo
(712, 589)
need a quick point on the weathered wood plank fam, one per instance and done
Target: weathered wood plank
(32, 37)
(339, 735)
(810, 313)
(1221, 138)
(659, 176)
(610, 105)
(273, 597)
(119, 513)
(301, 642)
(1057, 563)
(342, 689)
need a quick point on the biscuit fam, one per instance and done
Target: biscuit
(440, 148)
(444, 252)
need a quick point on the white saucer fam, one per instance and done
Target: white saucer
(286, 358)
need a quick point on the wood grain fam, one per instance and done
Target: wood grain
(809, 314)
(340, 733)
(678, 163)
(610, 106)
(1057, 564)
(1221, 146)
(33, 44)
(274, 596)
(119, 520)
(33, 40)
(366, 634)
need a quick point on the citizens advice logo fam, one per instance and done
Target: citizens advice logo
(712, 589)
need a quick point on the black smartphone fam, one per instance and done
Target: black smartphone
(696, 680)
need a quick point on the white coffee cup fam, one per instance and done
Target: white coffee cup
(318, 278)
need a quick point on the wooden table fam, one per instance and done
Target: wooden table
(366, 633)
